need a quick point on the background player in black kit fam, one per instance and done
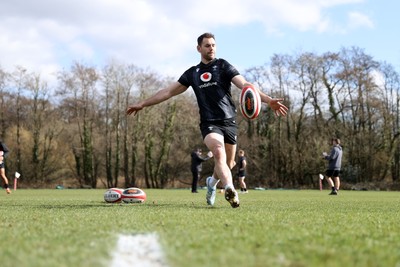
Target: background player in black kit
(242, 171)
(211, 81)
(197, 166)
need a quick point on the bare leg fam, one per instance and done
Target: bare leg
(230, 155)
(330, 182)
(4, 177)
(337, 182)
(242, 183)
(222, 153)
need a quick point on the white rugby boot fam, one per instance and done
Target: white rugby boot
(211, 192)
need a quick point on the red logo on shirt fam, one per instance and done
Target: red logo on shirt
(206, 77)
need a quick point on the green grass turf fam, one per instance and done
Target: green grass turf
(271, 228)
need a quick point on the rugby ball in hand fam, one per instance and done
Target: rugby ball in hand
(250, 102)
(113, 195)
(133, 195)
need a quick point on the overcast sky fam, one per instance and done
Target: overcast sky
(46, 36)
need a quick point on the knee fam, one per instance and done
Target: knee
(218, 153)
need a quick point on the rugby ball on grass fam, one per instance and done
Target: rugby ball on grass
(133, 195)
(113, 195)
(250, 102)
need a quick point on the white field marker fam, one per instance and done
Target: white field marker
(17, 175)
(321, 177)
(142, 250)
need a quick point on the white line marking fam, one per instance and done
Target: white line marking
(142, 250)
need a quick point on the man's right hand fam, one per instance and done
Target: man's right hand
(134, 109)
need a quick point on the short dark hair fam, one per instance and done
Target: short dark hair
(337, 140)
(204, 35)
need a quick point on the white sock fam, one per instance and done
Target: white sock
(229, 186)
(213, 181)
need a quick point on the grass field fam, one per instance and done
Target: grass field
(271, 228)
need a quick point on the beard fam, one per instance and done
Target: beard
(209, 56)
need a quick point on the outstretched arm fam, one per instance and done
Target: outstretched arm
(208, 156)
(162, 95)
(274, 103)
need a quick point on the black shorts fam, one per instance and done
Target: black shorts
(242, 173)
(332, 173)
(226, 128)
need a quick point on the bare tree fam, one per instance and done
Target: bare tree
(119, 81)
(18, 78)
(38, 115)
(3, 85)
(80, 87)
(357, 68)
(390, 99)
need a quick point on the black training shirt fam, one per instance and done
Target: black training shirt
(212, 85)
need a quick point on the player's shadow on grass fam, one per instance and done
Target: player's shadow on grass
(147, 205)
